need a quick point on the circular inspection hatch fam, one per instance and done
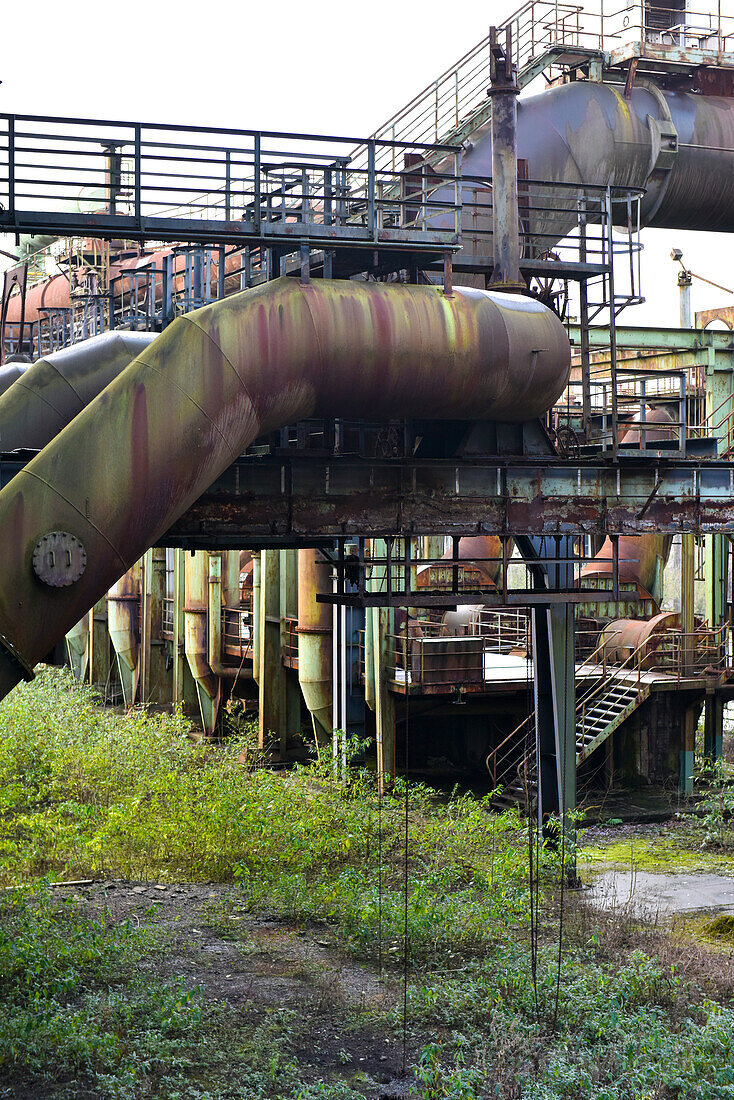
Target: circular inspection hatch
(59, 559)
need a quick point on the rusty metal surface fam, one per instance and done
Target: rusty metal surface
(725, 314)
(58, 386)
(677, 146)
(638, 556)
(623, 636)
(196, 641)
(261, 502)
(155, 439)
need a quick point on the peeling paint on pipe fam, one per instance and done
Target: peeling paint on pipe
(146, 448)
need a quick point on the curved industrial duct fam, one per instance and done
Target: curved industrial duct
(116, 478)
(11, 370)
(622, 637)
(49, 394)
(483, 552)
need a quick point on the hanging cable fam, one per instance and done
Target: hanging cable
(405, 887)
(380, 785)
(563, 825)
(532, 850)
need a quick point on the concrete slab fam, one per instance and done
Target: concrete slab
(648, 894)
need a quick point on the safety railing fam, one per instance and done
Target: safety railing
(168, 606)
(543, 31)
(503, 631)
(290, 643)
(680, 25)
(237, 634)
(166, 182)
(719, 423)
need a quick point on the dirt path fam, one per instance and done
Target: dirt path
(342, 1029)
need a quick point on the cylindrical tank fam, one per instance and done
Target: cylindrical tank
(123, 624)
(315, 657)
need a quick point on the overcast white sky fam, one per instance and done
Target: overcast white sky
(325, 67)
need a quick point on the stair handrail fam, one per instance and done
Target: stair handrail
(605, 687)
(493, 759)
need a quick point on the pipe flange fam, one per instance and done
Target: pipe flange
(59, 559)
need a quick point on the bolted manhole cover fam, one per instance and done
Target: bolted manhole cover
(59, 559)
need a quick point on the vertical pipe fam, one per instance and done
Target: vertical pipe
(612, 322)
(196, 614)
(584, 322)
(371, 189)
(255, 620)
(684, 284)
(11, 165)
(504, 91)
(123, 622)
(315, 658)
(179, 659)
(138, 199)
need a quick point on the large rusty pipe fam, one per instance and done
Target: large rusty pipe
(49, 394)
(132, 462)
(315, 656)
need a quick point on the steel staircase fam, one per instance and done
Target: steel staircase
(598, 718)
(615, 696)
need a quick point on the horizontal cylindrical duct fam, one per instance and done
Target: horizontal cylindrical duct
(116, 478)
(676, 146)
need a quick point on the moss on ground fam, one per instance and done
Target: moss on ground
(675, 846)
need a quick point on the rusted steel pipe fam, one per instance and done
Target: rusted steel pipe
(504, 91)
(623, 636)
(116, 478)
(315, 651)
(675, 146)
(77, 647)
(49, 394)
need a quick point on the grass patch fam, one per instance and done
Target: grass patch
(626, 1012)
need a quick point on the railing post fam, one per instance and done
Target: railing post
(371, 188)
(257, 195)
(11, 165)
(138, 174)
(228, 186)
